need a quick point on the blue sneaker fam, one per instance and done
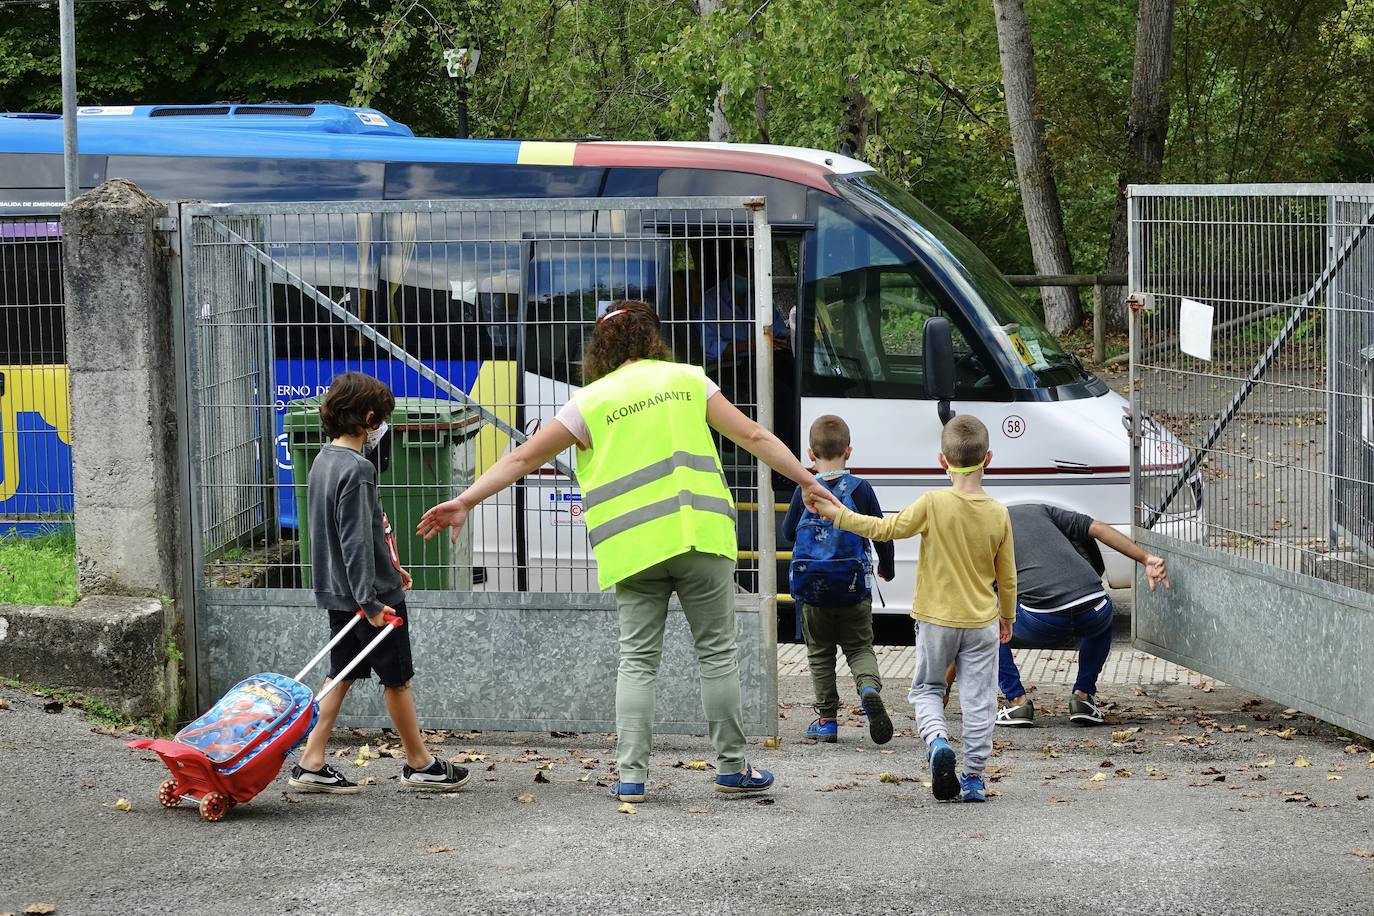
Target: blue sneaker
(628, 791)
(827, 730)
(971, 788)
(879, 722)
(745, 781)
(944, 782)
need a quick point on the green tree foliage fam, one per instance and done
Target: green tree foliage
(1262, 90)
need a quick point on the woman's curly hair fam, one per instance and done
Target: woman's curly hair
(629, 329)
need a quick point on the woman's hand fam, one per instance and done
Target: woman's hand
(451, 515)
(821, 501)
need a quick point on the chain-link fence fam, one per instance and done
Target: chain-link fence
(35, 415)
(476, 316)
(1251, 354)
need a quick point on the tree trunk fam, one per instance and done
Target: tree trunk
(720, 125)
(1034, 168)
(1147, 125)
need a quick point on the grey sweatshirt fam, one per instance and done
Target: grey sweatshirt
(349, 559)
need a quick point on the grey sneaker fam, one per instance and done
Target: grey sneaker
(1084, 712)
(325, 779)
(1022, 715)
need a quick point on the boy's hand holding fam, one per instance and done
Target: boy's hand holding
(1003, 630)
(821, 501)
(379, 620)
(406, 580)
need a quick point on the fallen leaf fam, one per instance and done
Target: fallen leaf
(1097, 777)
(524, 799)
(1124, 774)
(4, 703)
(1049, 751)
(1359, 797)
(540, 777)
(1296, 797)
(694, 765)
(1125, 734)
(1355, 748)
(544, 766)
(1301, 761)
(1268, 763)
(52, 706)
(369, 781)
(1365, 853)
(1061, 801)
(1321, 805)
(290, 799)
(1252, 794)
(124, 805)
(584, 777)
(360, 762)
(698, 811)
(341, 753)
(627, 808)
(1333, 776)
(889, 777)
(40, 908)
(438, 847)
(366, 752)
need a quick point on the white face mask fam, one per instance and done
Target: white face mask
(374, 437)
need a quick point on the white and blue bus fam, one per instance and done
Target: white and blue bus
(863, 262)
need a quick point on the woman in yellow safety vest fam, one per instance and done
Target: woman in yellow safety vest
(659, 518)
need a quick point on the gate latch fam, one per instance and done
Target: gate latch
(165, 224)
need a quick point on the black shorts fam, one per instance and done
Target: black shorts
(391, 658)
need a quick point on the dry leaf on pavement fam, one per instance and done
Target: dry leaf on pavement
(524, 799)
(627, 808)
(438, 847)
(1301, 761)
(698, 811)
(40, 908)
(1365, 853)
(540, 777)
(694, 765)
(123, 805)
(1097, 777)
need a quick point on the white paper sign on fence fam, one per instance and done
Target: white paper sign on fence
(1195, 329)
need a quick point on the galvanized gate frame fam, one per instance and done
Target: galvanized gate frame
(512, 645)
(1277, 632)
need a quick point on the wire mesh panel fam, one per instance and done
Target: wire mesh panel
(35, 415)
(475, 314)
(1252, 371)
(1260, 390)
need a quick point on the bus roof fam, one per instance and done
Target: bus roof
(328, 131)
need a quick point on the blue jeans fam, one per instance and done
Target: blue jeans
(1092, 629)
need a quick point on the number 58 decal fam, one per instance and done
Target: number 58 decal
(1013, 426)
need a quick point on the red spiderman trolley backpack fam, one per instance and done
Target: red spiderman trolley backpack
(237, 748)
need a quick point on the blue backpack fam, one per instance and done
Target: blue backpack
(830, 566)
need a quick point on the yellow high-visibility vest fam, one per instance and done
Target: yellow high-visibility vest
(652, 484)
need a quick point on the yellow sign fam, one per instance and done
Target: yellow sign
(30, 389)
(1022, 350)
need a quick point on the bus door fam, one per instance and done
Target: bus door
(865, 302)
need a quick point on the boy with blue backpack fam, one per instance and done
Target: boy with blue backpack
(831, 579)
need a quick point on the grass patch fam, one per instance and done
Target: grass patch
(38, 570)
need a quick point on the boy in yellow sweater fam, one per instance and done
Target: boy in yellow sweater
(964, 606)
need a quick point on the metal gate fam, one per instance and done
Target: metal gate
(1253, 348)
(475, 314)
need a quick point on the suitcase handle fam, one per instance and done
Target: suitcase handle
(359, 615)
(392, 622)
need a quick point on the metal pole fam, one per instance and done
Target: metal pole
(763, 383)
(462, 107)
(67, 25)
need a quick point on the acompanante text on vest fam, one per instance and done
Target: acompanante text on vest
(619, 413)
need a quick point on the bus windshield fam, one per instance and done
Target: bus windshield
(1016, 328)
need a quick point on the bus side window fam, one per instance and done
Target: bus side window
(869, 309)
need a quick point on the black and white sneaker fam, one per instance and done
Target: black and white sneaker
(1084, 712)
(325, 779)
(1017, 715)
(439, 775)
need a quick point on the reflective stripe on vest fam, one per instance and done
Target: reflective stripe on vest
(685, 499)
(656, 471)
(652, 485)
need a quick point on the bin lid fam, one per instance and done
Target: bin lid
(410, 415)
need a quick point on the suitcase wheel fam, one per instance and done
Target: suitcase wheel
(168, 794)
(214, 806)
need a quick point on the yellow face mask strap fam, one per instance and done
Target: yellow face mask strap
(968, 470)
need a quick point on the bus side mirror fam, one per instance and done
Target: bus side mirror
(938, 365)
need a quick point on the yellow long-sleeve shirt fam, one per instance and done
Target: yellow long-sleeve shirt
(966, 549)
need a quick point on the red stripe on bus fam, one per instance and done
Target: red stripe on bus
(678, 157)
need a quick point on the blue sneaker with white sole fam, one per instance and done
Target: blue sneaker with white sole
(628, 791)
(748, 779)
(944, 781)
(971, 788)
(827, 730)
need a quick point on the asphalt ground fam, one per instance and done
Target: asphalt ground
(1211, 801)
